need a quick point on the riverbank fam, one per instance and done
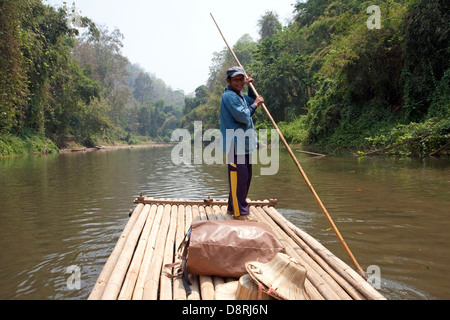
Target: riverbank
(34, 144)
(27, 143)
(104, 148)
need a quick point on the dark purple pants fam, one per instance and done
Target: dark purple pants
(239, 179)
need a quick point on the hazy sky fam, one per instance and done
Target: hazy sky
(176, 39)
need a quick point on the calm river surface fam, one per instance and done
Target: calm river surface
(69, 210)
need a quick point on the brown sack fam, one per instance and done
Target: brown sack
(222, 247)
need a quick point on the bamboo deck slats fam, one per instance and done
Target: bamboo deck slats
(134, 270)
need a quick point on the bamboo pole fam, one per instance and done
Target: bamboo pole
(322, 263)
(312, 153)
(206, 202)
(354, 279)
(212, 216)
(299, 167)
(206, 282)
(315, 291)
(133, 272)
(179, 293)
(103, 278)
(195, 286)
(152, 281)
(117, 276)
(326, 285)
(339, 285)
(139, 287)
(314, 252)
(166, 292)
(219, 213)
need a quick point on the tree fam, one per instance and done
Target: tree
(223, 60)
(13, 87)
(36, 47)
(309, 11)
(281, 74)
(426, 53)
(269, 25)
(143, 86)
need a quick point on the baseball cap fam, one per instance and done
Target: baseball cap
(235, 71)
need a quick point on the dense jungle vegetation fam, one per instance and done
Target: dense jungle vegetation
(329, 78)
(65, 83)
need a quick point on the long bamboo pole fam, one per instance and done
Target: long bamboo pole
(319, 251)
(151, 283)
(102, 281)
(179, 293)
(133, 270)
(115, 282)
(148, 254)
(297, 163)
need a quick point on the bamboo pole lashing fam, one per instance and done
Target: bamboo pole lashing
(102, 281)
(298, 165)
(205, 202)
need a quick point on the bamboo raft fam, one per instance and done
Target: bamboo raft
(134, 270)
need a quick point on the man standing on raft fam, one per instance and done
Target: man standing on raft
(239, 139)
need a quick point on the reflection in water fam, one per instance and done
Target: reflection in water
(66, 210)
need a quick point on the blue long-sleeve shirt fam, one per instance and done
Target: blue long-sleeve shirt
(236, 111)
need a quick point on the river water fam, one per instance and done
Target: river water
(67, 211)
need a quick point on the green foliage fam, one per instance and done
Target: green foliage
(157, 120)
(426, 30)
(223, 60)
(294, 131)
(71, 88)
(282, 75)
(13, 84)
(416, 139)
(440, 99)
(327, 78)
(269, 25)
(54, 90)
(205, 105)
(27, 143)
(353, 82)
